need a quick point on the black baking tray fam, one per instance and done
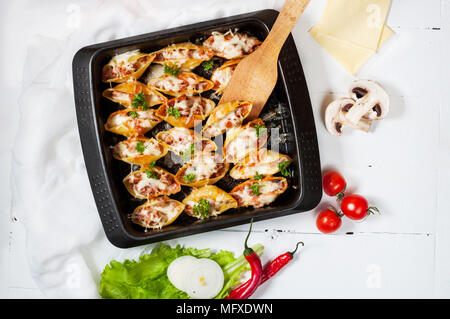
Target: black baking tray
(288, 108)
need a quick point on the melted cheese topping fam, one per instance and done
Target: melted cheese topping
(121, 63)
(183, 54)
(245, 142)
(231, 45)
(127, 148)
(189, 106)
(221, 77)
(180, 84)
(145, 186)
(178, 139)
(204, 166)
(232, 119)
(157, 213)
(144, 119)
(269, 189)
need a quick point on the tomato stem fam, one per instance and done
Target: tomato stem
(372, 209)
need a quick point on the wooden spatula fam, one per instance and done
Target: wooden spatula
(255, 76)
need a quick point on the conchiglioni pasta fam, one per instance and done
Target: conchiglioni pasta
(260, 162)
(208, 201)
(222, 75)
(242, 140)
(157, 212)
(184, 83)
(139, 150)
(126, 66)
(226, 116)
(186, 111)
(231, 45)
(258, 193)
(186, 56)
(185, 142)
(126, 93)
(132, 123)
(150, 182)
(205, 168)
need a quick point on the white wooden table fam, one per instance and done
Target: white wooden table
(402, 167)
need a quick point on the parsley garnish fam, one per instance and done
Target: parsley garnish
(208, 65)
(152, 174)
(283, 168)
(171, 70)
(260, 130)
(255, 189)
(189, 178)
(140, 147)
(139, 101)
(202, 209)
(174, 112)
(133, 114)
(258, 176)
(188, 154)
(152, 164)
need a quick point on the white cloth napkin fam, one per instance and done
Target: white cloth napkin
(66, 245)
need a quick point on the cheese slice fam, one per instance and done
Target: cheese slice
(352, 31)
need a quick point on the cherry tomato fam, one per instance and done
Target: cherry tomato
(328, 221)
(354, 206)
(333, 183)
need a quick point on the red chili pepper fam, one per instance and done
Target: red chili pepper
(248, 288)
(269, 270)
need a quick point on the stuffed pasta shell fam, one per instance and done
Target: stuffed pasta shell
(222, 75)
(244, 139)
(204, 169)
(208, 201)
(231, 45)
(258, 193)
(185, 142)
(126, 66)
(186, 56)
(134, 95)
(157, 212)
(150, 182)
(260, 162)
(132, 123)
(186, 111)
(139, 150)
(183, 83)
(226, 116)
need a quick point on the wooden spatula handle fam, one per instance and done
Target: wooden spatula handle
(290, 13)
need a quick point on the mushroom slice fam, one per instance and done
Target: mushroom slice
(244, 139)
(205, 168)
(134, 95)
(139, 150)
(150, 182)
(157, 212)
(131, 123)
(372, 101)
(261, 162)
(184, 83)
(258, 193)
(185, 142)
(185, 55)
(335, 117)
(186, 111)
(208, 201)
(226, 116)
(126, 66)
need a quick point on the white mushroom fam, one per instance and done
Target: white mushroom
(372, 102)
(336, 117)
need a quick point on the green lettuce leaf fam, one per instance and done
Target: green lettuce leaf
(147, 278)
